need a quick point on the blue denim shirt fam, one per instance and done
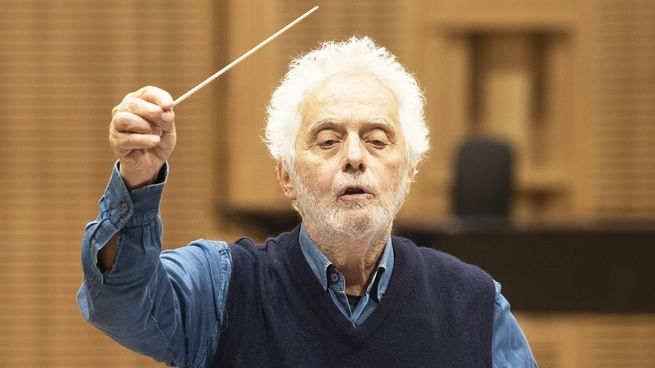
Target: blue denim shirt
(334, 282)
(170, 305)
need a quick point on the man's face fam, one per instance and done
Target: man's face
(351, 172)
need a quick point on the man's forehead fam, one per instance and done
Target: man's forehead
(349, 97)
(335, 86)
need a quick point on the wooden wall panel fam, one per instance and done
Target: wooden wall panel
(590, 340)
(63, 66)
(622, 94)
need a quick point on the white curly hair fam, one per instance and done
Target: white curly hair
(353, 55)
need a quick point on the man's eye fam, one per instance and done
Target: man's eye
(377, 143)
(328, 143)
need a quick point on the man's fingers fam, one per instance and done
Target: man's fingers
(157, 96)
(141, 121)
(127, 122)
(168, 119)
(127, 141)
(147, 110)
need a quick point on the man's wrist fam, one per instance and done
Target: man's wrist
(124, 206)
(134, 182)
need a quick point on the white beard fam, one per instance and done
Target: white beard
(355, 219)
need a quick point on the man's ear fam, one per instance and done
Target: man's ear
(285, 182)
(411, 178)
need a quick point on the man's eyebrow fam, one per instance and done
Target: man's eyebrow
(381, 123)
(378, 123)
(323, 124)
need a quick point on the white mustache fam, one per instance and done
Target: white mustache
(343, 180)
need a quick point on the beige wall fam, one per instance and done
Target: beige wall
(570, 83)
(63, 66)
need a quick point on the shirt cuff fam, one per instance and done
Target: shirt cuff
(132, 208)
(119, 208)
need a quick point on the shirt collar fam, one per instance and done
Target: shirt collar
(319, 263)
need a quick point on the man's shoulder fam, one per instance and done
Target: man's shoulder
(246, 247)
(407, 245)
(439, 263)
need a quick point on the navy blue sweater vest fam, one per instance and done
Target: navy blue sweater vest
(437, 312)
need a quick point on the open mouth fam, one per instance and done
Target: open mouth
(354, 193)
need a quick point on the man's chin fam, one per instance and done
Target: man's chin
(353, 204)
(357, 221)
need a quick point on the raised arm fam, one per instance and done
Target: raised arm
(168, 305)
(142, 135)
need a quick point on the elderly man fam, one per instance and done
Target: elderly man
(346, 127)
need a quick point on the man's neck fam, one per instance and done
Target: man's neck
(354, 257)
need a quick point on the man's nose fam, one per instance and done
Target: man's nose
(354, 159)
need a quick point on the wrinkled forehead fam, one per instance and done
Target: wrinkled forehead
(349, 96)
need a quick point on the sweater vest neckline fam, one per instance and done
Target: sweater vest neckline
(320, 299)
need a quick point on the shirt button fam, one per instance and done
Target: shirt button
(124, 207)
(334, 277)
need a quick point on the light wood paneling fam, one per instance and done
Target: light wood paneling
(622, 89)
(63, 66)
(590, 340)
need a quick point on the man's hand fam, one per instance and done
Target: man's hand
(142, 134)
